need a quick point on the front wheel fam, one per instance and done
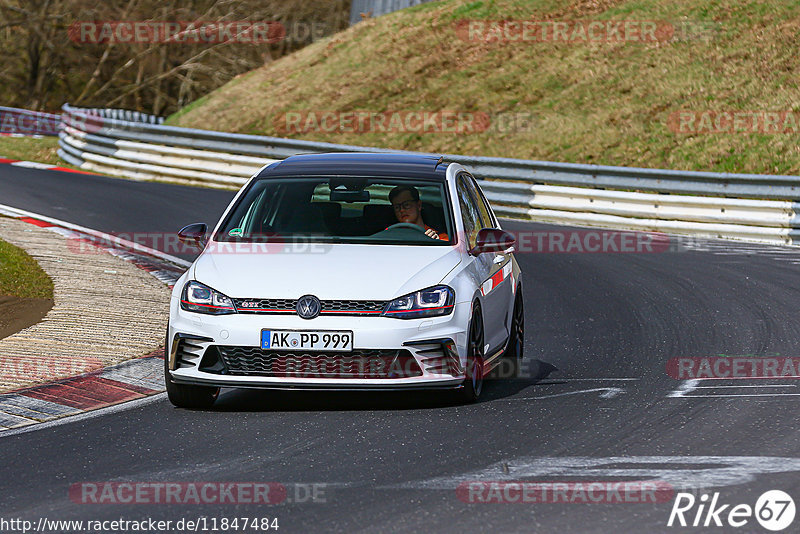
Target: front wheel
(516, 341)
(473, 381)
(185, 395)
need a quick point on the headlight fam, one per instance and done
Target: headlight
(431, 302)
(202, 299)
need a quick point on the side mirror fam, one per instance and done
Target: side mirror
(492, 240)
(194, 235)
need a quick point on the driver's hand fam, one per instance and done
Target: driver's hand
(431, 233)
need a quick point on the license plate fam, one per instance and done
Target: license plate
(310, 340)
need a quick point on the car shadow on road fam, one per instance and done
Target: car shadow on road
(496, 386)
(500, 384)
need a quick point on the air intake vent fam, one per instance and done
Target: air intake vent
(189, 352)
(253, 361)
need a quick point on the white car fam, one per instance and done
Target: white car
(347, 271)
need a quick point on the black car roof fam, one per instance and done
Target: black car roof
(395, 165)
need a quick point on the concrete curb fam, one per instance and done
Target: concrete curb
(88, 354)
(45, 166)
(130, 380)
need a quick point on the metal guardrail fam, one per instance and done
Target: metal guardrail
(124, 115)
(16, 121)
(744, 206)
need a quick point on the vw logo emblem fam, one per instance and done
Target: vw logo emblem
(308, 307)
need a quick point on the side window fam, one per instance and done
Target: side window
(486, 220)
(483, 204)
(469, 212)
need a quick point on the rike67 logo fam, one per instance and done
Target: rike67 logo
(774, 510)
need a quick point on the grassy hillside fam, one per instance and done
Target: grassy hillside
(605, 103)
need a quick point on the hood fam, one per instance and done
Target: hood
(339, 271)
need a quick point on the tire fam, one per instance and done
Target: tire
(472, 386)
(516, 343)
(187, 396)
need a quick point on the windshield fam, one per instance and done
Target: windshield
(341, 210)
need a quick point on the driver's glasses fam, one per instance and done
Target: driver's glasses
(405, 206)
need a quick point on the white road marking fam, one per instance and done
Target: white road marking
(763, 386)
(608, 393)
(723, 395)
(681, 472)
(559, 380)
(780, 377)
(686, 389)
(33, 165)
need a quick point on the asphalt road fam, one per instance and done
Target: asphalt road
(109, 204)
(596, 405)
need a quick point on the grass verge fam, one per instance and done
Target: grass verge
(21, 276)
(30, 149)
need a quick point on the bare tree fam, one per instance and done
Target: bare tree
(49, 63)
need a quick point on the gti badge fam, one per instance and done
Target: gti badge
(308, 307)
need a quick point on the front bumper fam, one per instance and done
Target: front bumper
(440, 364)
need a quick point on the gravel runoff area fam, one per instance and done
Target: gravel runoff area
(105, 311)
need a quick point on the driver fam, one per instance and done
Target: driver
(408, 209)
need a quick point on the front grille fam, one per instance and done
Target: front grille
(289, 306)
(253, 361)
(345, 306)
(265, 305)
